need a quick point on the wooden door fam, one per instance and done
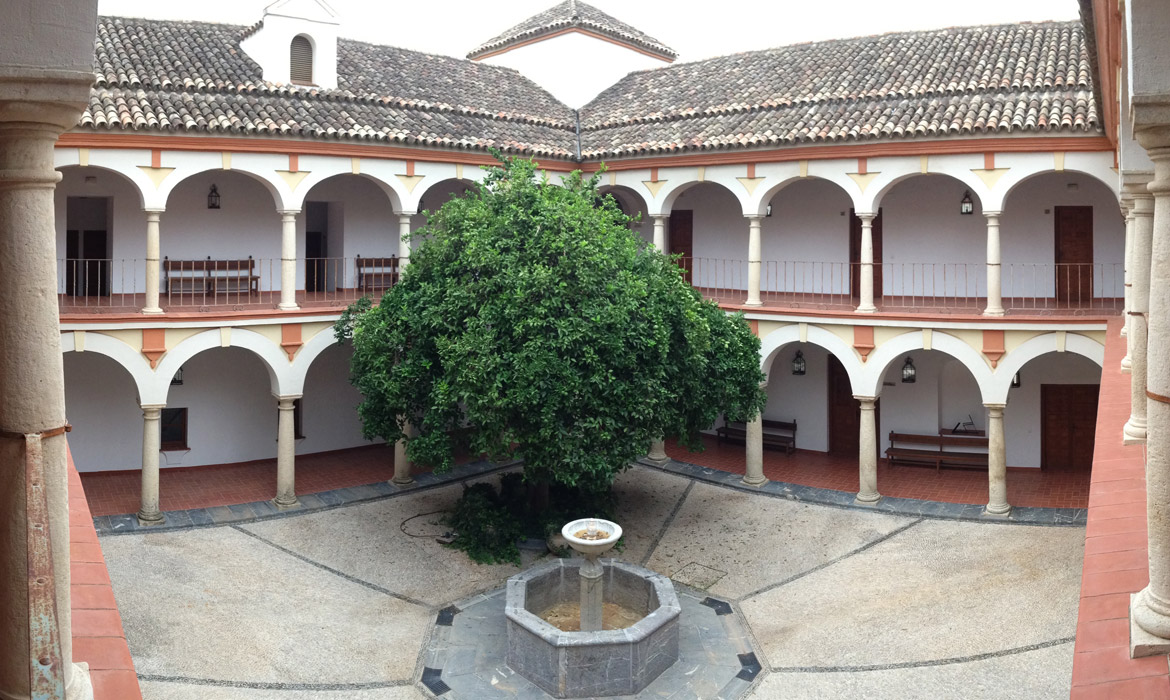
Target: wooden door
(1074, 254)
(95, 268)
(682, 240)
(855, 255)
(1068, 422)
(315, 253)
(844, 413)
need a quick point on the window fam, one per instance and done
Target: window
(298, 431)
(301, 61)
(174, 429)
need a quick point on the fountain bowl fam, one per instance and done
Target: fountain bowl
(592, 548)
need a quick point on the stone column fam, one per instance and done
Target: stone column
(997, 503)
(402, 465)
(867, 454)
(755, 245)
(1139, 300)
(754, 448)
(288, 260)
(286, 450)
(1127, 208)
(152, 262)
(148, 513)
(660, 233)
(994, 281)
(36, 105)
(657, 453)
(1150, 609)
(403, 244)
(866, 286)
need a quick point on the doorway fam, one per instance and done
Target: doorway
(845, 414)
(316, 246)
(1074, 254)
(855, 256)
(87, 246)
(1068, 423)
(682, 240)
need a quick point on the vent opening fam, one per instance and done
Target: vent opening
(301, 61)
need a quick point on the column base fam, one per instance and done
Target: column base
(993, 312)
(402, 481)
(288, 307)
(655, 462)
(1141, 642)
(865, 310)
(757, 302)
(867, 499)
(148, 519)
(294, 503)
(152, 311)
(1124, 329)
(754, 483)
(1134, 432)
(995, 512)
(1126, 365)
(81, 687)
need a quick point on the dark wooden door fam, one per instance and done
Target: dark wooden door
(844, 413)
(1068, 421)
(315, 256)
(855, 255)
(94, 268)
(1074, 254)
(682, 240)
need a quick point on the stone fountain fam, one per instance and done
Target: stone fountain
(592, 661)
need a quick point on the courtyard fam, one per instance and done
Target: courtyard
(340, 603)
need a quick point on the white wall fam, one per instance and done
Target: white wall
(806, 240)
(1022, 419)
(329, 405)
(127, 223)
(102, 406)
(944, 392)
(719, 234)
(804, 398)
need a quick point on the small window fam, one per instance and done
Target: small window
(298, 425)
(301, 61)
(174, 429)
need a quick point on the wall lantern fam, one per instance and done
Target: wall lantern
(909, 374)
(1016, 380)
(768, 211)
(966, 206)
(798, 365)
(177, 380)
(213, 198)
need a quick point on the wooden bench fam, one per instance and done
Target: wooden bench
(376, 274)
(776, 433)
(931, 450)
(210, 276)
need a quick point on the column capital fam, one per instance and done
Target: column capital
(288, 213)
(754, 219)
(287, 397)
(865, 218)
(46, 97)
(152, 406)
(866, 400)
(154, 211)
(992, 214)
(660, 218)
(405, 213)
(995, 408)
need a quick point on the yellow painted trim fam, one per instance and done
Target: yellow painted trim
(78, 341)
(355, 166)
(863, 181)
(83, 157)
(701, 173)
(654, 187)
(156, 175)
(459, 171)
(927, 338)
(293, 180)
(924, 164)
(225, 337)
(804, 332)
(410, 181)
(1058, 161)
(226, 157)
(990, 177)
(750, 183)
(1061, 341)
(804, 168)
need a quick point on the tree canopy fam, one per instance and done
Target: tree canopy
(532, 318)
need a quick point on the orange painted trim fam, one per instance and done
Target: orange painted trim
(1066, 144)
(917, 318)
(751, 171)
(862, 166)
(1107, 30)
(410, 168)
(755, 325)
(154, 344)
(155, 158)
(989, 161)
(863, 341)
(218, 144)
(993, 346)
(290, 339)
(653, 174)
(294, 163)
(570, 30)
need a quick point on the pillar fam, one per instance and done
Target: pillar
(402, 465)
(152, 262)
(403, 246)
(994, 268)
(288, 260)
(36, 106)
(867, 454)
(754, 261)
(148, 512)
(997, 503)
(1150, 608)
(754, 471)
(1127, 208)
(286, 450)
(866, 302)
(1140, 297)
(660, 233)
(657, 454)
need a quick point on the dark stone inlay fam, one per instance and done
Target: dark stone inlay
(751, 666)
(432, 679)
(721, 607)
(447, 616)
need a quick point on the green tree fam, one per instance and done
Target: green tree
(532, 318)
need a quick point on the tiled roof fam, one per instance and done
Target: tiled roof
(190, 77)
(1028, 78)
(574, 14)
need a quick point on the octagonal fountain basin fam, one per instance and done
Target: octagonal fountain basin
(574, 664)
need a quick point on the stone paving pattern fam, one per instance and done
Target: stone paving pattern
(338, 602)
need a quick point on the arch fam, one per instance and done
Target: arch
(773, 186)
(304, 359)
(136, 180)
(301, 58)
(974, 185)
(880, 359)
(665, 203)
(639, 201)
(775, 341)
(467, 185)
(274, 359)
(1005, 191)
(127, 357)
(1033, 348)
(393, 191)
(282, 197)
(1018, 176)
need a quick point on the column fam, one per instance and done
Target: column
(754, 447)
(657, 454)
(1150, 609)
(997, 503)
(286, 450)
(152, 261)
(403, 243)
(1127, 209)
(994, 282)
(36, 106)
(1139, 301)
(148, 513)
(288, 260)
(660, 233)
(754, 261)
(866, 302)
(867, 454)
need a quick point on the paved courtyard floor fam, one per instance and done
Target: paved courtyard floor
(839, 602)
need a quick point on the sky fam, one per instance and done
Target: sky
(696, 30)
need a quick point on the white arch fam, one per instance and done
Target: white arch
(886, 181)
(274, 359)
(466, 182)
(1014, 361)
(394, 191)
(626, 189)
(771, 186)
(664, 204)
(1018, 176)
(772, 343)
(880, 359)
(127, 357)
(282, 198)
(304, 359)
(138, 180)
